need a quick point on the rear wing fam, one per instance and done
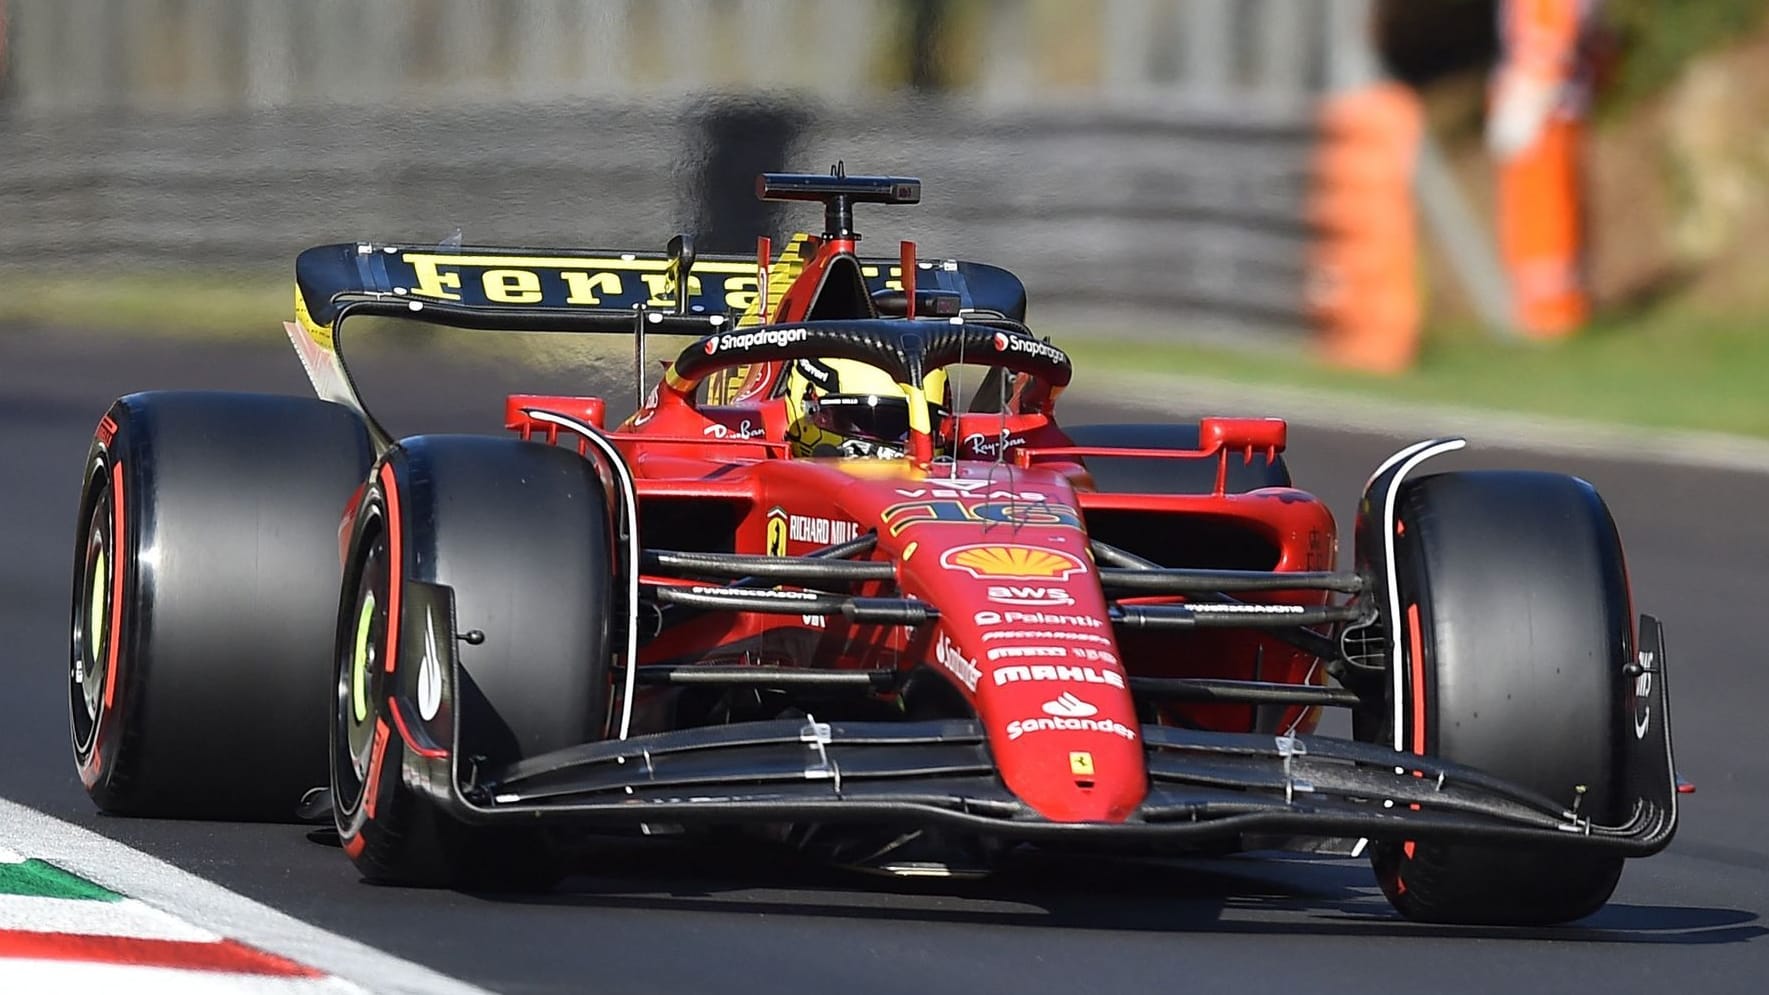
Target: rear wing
(573, 291)
(514, 281)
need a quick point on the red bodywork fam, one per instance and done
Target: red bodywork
(999, 545)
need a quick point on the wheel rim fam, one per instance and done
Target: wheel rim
(92, 629)
(359, 671)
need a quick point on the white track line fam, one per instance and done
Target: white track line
(128, 917)
(72, 977)
(1401, 419)
(209, 906)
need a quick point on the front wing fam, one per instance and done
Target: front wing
(1204, 787)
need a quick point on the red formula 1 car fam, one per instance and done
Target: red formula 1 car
(807, 586)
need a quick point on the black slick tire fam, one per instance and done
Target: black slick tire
(520, 533)
(1516, 625)
(205, 579)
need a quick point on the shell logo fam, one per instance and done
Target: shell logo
(1001, 561)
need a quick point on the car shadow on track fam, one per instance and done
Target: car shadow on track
(1254, 895)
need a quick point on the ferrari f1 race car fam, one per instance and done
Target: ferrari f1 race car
(814, 590)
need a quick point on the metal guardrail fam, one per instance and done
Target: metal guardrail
(1168, 140)
(200, 55)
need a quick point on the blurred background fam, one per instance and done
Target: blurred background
(1556, 206)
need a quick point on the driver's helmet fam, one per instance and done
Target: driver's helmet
(843, 407)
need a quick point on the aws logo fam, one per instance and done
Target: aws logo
(1022, 594)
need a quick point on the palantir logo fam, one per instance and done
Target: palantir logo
(1067, 706)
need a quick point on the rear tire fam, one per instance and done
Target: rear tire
(520, 532)
(205, 579)
(1126, 475)
(1516, 616)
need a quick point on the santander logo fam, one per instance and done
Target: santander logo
(1067, 706)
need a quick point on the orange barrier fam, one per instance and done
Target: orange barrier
(1535, 132)
(1363, 291)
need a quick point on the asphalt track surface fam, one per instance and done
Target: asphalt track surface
(662, 917)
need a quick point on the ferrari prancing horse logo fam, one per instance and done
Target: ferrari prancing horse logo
(777, 531)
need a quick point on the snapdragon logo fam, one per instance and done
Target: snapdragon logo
(1020, 343)
(776, 337)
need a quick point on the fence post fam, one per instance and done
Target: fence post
(1208, 35)
(270, 67)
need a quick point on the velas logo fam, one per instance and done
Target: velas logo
(1008, 562)
(776, 337)
(1067, 706)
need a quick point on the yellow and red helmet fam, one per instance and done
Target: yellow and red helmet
(843, 407)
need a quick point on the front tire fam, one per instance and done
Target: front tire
(1517, 626)
(205, 579)
(520, 533)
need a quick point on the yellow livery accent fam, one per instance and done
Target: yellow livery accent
(320, 334)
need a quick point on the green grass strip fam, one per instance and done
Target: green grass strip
(1672, 366)
(38, 879)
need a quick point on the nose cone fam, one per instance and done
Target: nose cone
(1023, 626)
(1065, 738)
(1050, 689)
